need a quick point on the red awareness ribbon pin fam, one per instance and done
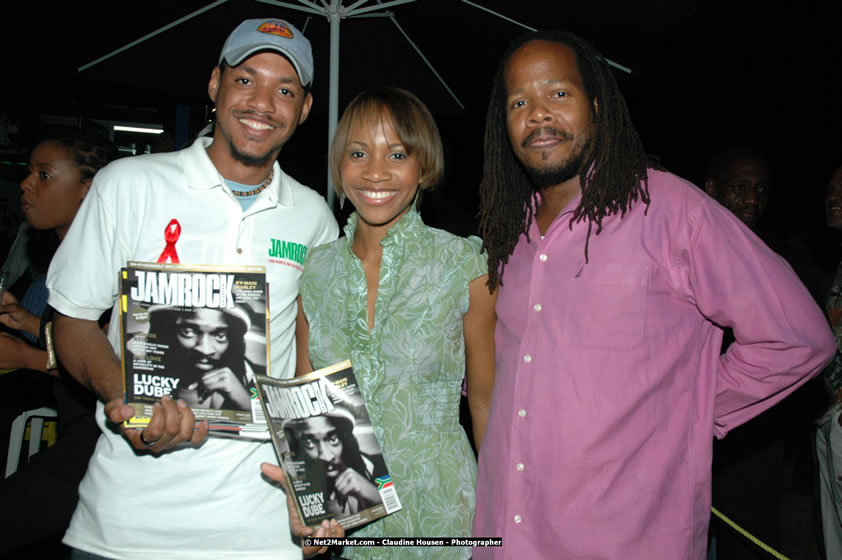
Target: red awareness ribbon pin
(171, 234)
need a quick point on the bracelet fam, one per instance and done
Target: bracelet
(52, 363)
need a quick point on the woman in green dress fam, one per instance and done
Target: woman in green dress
(410, 306)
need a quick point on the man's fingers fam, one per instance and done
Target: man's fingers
(178, 421)
(325, 530)
(140, 439)
(186, 421)
(171, 415)
(274, 472)
(337, 530)
(172, 423)
(149, 438)
(145, 441)
(200, 433)
(117, 411)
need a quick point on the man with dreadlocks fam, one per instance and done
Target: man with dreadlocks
(613, 280)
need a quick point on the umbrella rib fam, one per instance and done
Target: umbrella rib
(380, 6)
(499, 15)
(529, 28)
(427, 62)
(353, 6)
(153, 34)
(305, 6)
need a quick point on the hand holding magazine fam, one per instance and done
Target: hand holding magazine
(196, 333)
(330, 456)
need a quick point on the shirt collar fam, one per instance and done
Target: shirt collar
(563, 216)
(202, 174)
(405, 227)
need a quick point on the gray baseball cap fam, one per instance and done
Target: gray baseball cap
(272, 34)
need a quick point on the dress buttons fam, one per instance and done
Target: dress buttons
(239, 251)
(521, 413)
(518, 519)
(543, 257)
(537, 307)
(527, 359)
(519, 467)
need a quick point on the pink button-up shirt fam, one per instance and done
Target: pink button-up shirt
(610, 386)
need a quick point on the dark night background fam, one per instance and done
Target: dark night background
(705, 72)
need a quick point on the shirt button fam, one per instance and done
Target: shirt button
(518, 519)
(239, 251)
(527, 359)
(519, 467)
(521, 413)
(537, 307)
(542, 257)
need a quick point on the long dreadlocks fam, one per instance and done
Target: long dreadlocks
(618, 164)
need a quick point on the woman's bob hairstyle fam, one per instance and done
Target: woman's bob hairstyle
(412, 121)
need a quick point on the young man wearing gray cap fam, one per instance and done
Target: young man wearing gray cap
(167, 491)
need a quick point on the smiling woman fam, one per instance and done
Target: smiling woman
(380, 178)
(410, 306)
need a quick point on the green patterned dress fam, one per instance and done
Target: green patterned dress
(409, 367)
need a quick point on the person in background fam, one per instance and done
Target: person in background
(829, 434)
(748, 465)
(740, 179)
(39, 498)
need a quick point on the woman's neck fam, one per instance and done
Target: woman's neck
(367, 243)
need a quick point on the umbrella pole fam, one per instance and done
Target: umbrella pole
(333, 95)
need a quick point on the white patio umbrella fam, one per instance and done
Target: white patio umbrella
(334, 11)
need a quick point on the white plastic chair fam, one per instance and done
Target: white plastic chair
(35, 433)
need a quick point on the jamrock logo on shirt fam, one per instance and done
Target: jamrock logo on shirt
(289, 253)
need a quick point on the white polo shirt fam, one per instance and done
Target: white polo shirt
(209, 502)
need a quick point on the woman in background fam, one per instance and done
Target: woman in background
(40, 497)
